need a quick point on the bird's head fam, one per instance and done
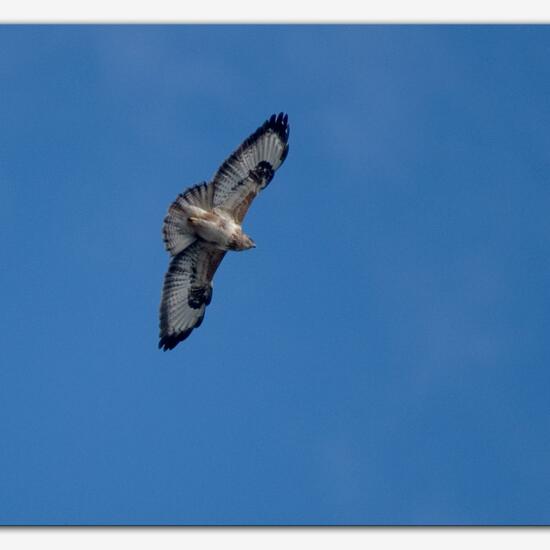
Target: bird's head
(248, 242)
(241, 241)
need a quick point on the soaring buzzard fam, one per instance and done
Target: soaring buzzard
(203, 223)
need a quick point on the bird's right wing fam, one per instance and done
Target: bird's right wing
(187, 291)
(251, 167)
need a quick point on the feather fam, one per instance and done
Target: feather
(251, 167)
(186, 292)
(177, 234)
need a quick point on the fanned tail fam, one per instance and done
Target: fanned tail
(178, 234)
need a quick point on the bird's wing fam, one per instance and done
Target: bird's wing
(251, 167)
(187, 291)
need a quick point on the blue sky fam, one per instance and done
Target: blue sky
(382, 356)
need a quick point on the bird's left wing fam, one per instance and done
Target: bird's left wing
(251, 167)
(186, 292)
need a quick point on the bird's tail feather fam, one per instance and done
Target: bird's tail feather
(178, 234)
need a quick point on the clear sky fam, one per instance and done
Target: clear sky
(381, 357)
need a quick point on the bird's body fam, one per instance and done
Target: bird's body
(219, 228)
(204, 223)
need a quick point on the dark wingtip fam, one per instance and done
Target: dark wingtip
(170, 341)
(279, 124)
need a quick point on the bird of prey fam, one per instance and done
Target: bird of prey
(204, 222)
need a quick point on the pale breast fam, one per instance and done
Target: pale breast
(215, 227)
